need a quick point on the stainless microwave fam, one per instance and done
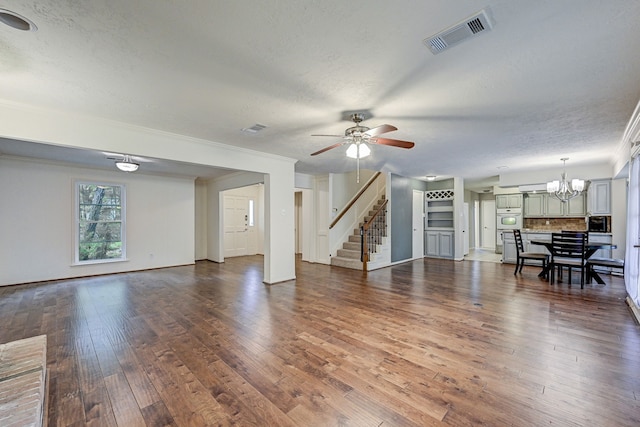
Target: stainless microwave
(599, 224)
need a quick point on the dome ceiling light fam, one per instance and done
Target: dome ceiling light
(17, 21)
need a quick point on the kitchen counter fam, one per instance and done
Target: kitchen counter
(509, 254)
(536, 230)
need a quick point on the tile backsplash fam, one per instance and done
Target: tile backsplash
(575, 224)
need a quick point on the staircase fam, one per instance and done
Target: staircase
(349, 255)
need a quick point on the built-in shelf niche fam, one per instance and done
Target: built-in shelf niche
(439, 209)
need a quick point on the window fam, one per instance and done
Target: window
(99, 222)
(251, 222)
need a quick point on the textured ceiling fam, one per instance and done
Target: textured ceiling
(552, 79)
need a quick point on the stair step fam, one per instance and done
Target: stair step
(346, 263)
(352, 246)
(346, 253)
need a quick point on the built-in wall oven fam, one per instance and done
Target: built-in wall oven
(507, 219)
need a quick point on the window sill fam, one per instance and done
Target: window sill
(99, 261)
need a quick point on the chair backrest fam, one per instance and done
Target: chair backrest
(518, 237)
(569, 244)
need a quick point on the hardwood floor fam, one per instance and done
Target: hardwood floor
(430, 342)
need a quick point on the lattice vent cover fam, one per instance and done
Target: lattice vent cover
(439, 194)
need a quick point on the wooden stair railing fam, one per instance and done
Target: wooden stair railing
(354, 200)
(371, 233)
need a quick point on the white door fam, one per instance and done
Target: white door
(235, 226)
(418, 224)
(488, 208)
(465, 230)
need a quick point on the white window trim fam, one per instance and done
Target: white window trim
(76, 227)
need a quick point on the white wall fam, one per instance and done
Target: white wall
(321, 203)
(37, 221)
(553, 172)
(344, 186)
(201, 219)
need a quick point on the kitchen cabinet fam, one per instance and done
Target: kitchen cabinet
(439, 244)
(534, 205)
(554, 207)
(537, 249)
(509, 253)
(508, 201)
(599, 197)
(545, 205)
(576, 206)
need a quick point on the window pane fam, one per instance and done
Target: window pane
(99, 213)
(97, 251)
(100, 232)
(250, 213)
(100, 221)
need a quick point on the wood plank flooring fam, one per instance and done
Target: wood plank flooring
(430, 342)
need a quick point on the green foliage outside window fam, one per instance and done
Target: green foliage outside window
(100, 222)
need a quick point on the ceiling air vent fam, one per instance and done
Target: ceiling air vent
(470, 27)
(254, 129)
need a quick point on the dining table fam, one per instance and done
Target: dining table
(591, 248)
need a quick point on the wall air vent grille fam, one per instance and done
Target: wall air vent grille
(470, 27)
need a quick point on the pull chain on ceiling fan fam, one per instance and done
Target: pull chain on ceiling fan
(360, 136)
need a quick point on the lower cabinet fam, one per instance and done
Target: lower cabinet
(439, 244)
(601, 238)
(509, 253)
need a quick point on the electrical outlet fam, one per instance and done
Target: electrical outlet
(547, 222)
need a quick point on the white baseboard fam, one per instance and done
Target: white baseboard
(635, 311)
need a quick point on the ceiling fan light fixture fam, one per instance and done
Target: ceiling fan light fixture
(127, 165)
(358, 151)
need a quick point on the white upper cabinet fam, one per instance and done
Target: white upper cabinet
(508, 201)
(546, 205)
(600, 197)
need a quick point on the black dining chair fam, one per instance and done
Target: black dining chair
(521, 255)
(568, 249)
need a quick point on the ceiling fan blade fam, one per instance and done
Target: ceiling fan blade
(394, 142)
(327, 148)
(334, 136)
(378, 130)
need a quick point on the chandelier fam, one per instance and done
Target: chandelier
(563, 189)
